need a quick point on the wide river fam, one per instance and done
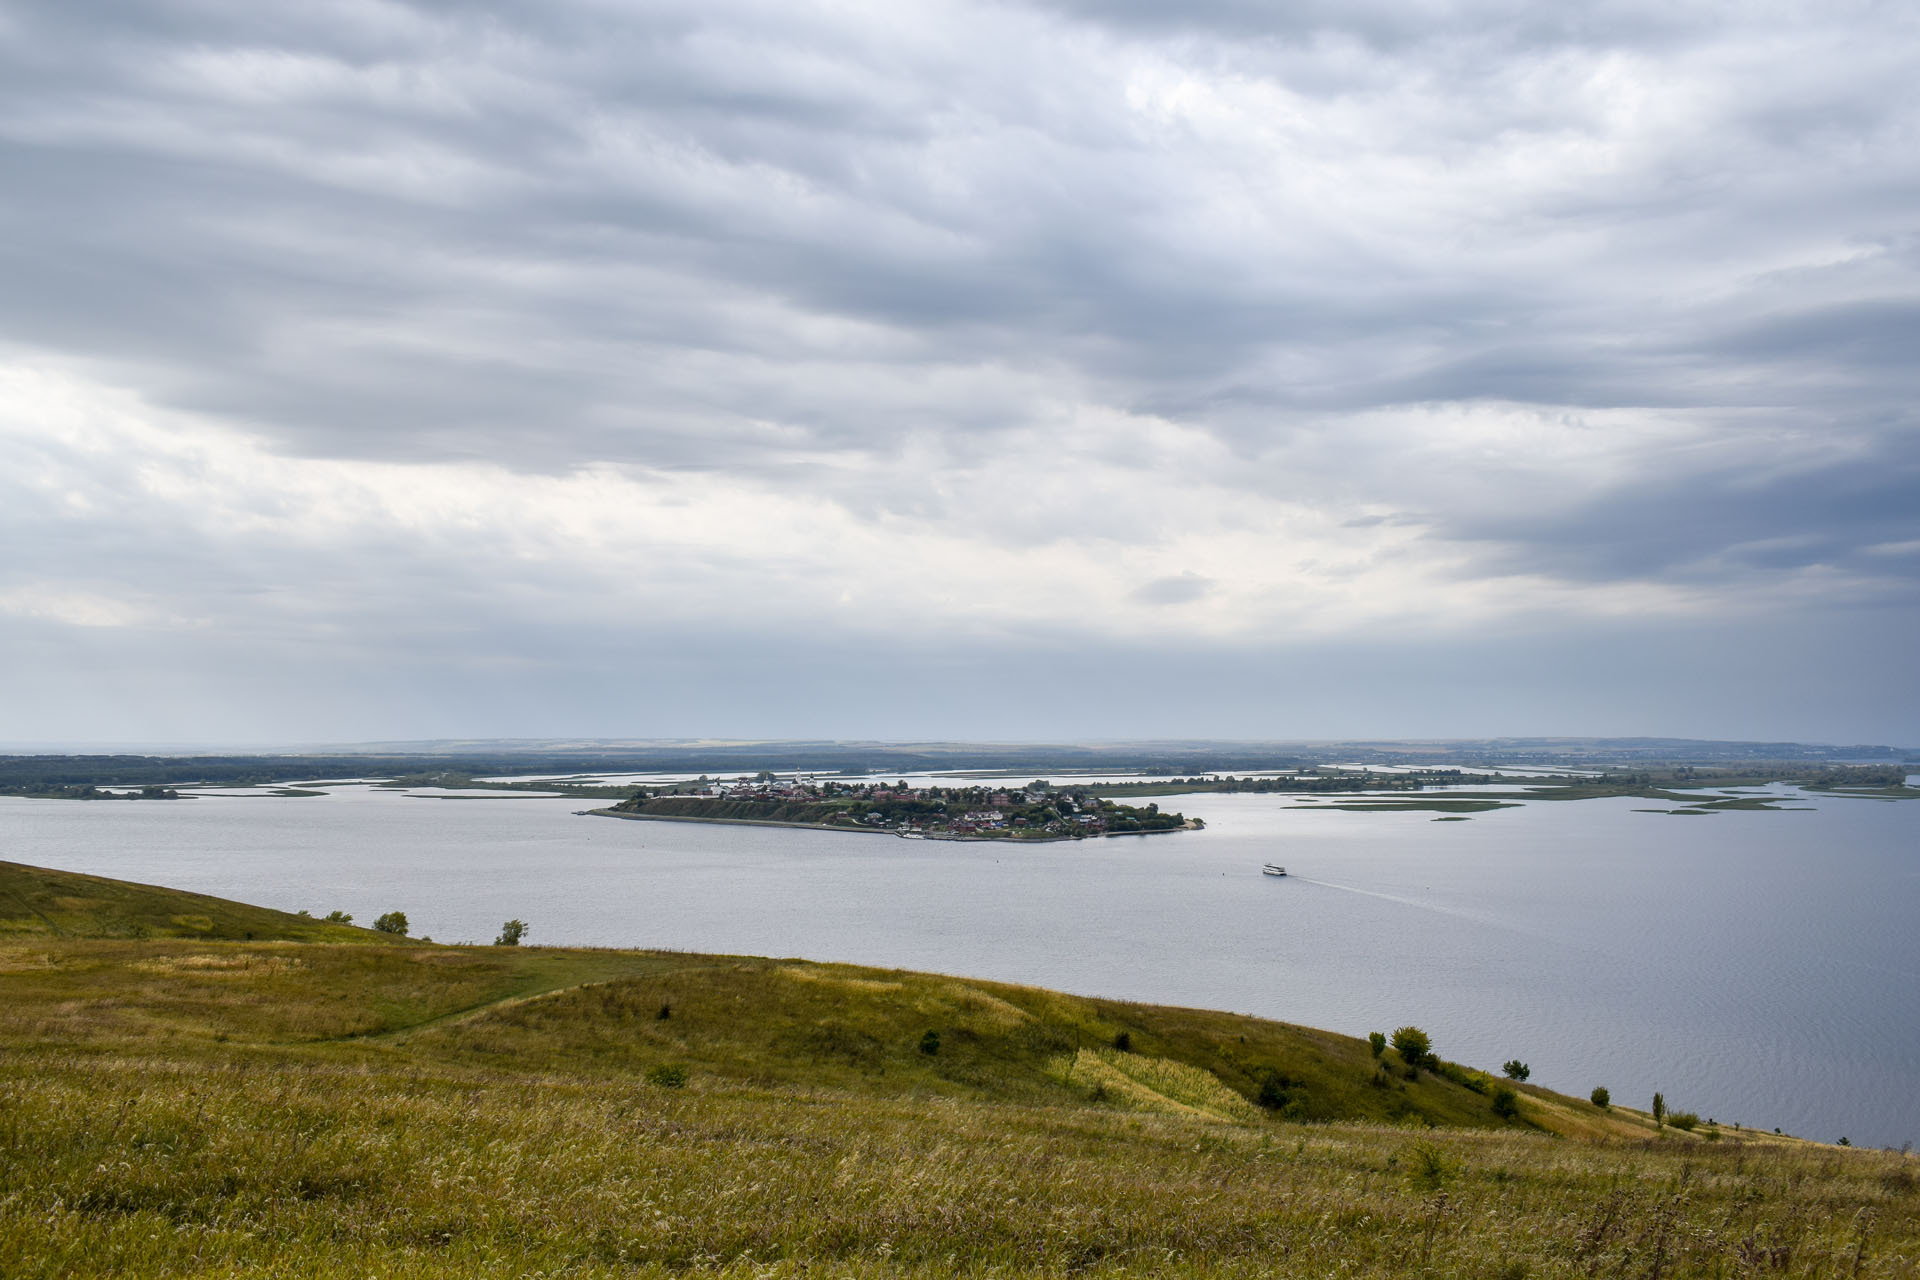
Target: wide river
(1759, 968)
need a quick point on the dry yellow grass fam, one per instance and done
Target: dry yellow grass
(984, 1004)
(818, 973)
(1157, 1085)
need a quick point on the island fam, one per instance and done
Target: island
(1036, 812)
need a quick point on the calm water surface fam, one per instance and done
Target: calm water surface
(1762, 968)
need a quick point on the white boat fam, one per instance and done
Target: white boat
(1271, 870)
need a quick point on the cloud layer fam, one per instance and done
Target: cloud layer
(1072, 337)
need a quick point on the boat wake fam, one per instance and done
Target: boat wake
(1484, 919)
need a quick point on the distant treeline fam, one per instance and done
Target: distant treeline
(20, 773)
(1161, 764)
(1600, 782)
(1343, 781)
(44, 773)
(1817, 777)
(1859, 776)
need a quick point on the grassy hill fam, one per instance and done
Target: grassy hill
(38, 903)
(321, 1100)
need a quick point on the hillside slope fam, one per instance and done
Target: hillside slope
(35, 901)
(752, 1020)
(186, 1105)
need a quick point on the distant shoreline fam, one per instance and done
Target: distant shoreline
(875, 831)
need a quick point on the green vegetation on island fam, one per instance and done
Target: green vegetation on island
(87, 791)
(1039, 811)
(325, 1101)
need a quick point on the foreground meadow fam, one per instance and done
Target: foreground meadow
(185, 1099)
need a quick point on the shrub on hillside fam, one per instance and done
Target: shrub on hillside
(1506, 1103)
(1465, 1077)
(668, 1075)
(1413, 1045)
(1276, 1093)
(392, 922)
(1600, 1097)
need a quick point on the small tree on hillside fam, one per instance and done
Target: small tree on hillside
(1600, 1097)
(1413, 1046)
(1377, 1041)
(510, 933)
(392, 922)
(1659, 1110)
(1514, 1069)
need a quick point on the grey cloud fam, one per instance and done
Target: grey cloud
(1183, 588)
(769, 242)
(1857, 336)
(1074, 270)
(1395, 24)
(1756, 518)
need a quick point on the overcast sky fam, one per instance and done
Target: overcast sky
(1096, 368)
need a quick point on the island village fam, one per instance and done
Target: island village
(1037, 811)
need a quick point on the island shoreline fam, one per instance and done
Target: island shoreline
(875, 831)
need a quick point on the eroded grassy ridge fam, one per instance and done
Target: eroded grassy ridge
(192, 1107)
